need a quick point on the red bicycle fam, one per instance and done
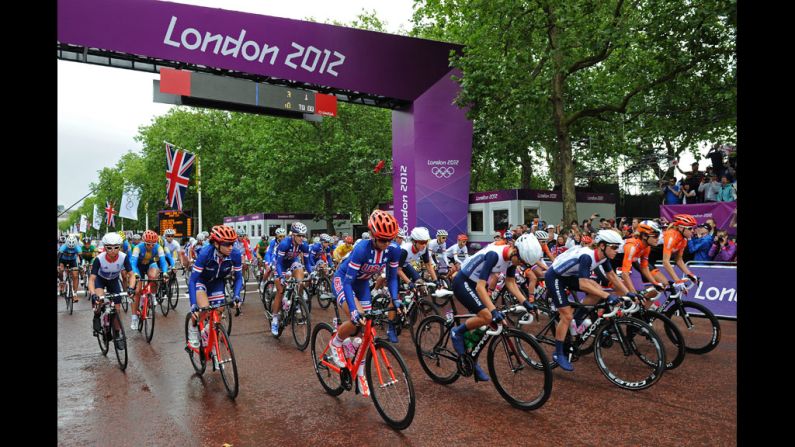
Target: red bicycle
(214, 344)
(389, 381)
(146, 308)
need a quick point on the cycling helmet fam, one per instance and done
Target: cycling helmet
(382, 225)
(365, 235)
(420, 234)
(192, 240)
(529, 248)
(281, 232)
(508, 236)
(298, 229)
(325, 238)
(223, 233)
(241, 232)
(542, 235)
(169, 232)
(463, 237)
(71, 242)
(136, 237)
(112, 239)
(86, 240)
(348, 240)
(62, 239)
(648, 227)
(200, 237)
(150, 236)
(586, 240)
(685, 220)
(402, 234)
(609, 237)
(441, 233)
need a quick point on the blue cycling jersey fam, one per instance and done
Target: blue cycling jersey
(212, 267)
(289, 252)
(69, 254)
(316, 252)
(142, 256)
(364, 262)
(270, 253)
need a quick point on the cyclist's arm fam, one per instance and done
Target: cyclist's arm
(666, 259)
(136, 252)
(586, 284)
(426, 258)
(489, 261)
(280, 257)
(161, 259)
(354, 264)
(198, 268)
(308, 261)
(510, 284)
(392, 276)
(237, 267)
(93, 275)
(626, 266)
(681, 263)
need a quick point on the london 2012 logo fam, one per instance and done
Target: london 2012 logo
(442, 172)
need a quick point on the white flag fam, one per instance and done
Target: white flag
(129, 204)
(83, 223)
(97, 218)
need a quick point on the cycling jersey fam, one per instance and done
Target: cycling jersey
(209, 272)
(173, 246)
(145, 258)
(291, 254)
(126, 247)
(492, 259)
(69, 254)
(673, 242)
(436, 250)
(270, 254)
(262, 247)
(579, 261)
(634, 251)
(407, 254)
(342, 251)
(107, 270)
(317, 252)
(88, 253)
(456, 253)
(243, 247)
(357, 269)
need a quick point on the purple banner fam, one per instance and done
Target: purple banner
(493, 196)
(347, 58)
(263, 216)
(724, 213)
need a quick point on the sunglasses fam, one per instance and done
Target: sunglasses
(111, 247)
(169, 236)
(421, 242)
(226, 244)
(442, 237)
(149, 244)
(383, 241)
(613, 246)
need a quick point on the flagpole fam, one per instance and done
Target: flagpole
(146, 213)
(199, 186)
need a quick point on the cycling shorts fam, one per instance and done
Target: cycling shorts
(410, 272)
(69, 263)
(289, 266)
(556, 287)
(213, 289)
(464, 291)
(361, 292)
(110, 286)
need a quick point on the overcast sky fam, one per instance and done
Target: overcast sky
(100, 108)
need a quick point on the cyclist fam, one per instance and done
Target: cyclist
(270, 254)
(260, 250)
(68, 259)
(147, 256)
(352, 281)
(242, 244)
(674, 241)
(469, 286)
(572, 269)
(343, 249)
(436, 249)
(321, 251)
(292, 254)
(87, 253)
(172, 244)
(196, 246)
(206, 284)
(416, 250)
(636, 253)
(105, 272)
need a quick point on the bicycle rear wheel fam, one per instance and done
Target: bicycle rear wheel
(121, 354)
(301, 324)
(671, 336)
(321, 336)
(434, 350)
(70, 302)
(701, 333)
(629, 353)
(197, 360)
(424, 309)
(324, 293)
(520, 369)
(390, 385)
(149, 321)
(225, 356)
(173, 293)
(102, 339)
(162, 300)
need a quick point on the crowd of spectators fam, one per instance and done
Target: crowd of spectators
(717, 184)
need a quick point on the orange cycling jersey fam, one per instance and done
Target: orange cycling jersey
(634, 251)
(673, 242)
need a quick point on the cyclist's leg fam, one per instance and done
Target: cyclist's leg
(61, 270)
(201, 300)
(152, 273)
(298, 273)
(464, 291)
(556, 289)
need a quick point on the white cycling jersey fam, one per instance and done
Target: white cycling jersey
(411, 256)
(459, 253)
(110, 270)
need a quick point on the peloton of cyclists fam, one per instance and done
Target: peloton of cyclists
(292, 255)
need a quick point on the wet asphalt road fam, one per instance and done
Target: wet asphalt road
(159, 400)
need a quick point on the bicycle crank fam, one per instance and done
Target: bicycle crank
(465, 365)
(345, 379)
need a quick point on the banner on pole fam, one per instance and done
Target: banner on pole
(724, 213)
(83, 223)
(129, 203)
(97, 220)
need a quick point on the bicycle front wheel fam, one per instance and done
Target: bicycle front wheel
(162, 300)
(225, 356)
(436, 357)
(671, 336)
(196, 359)
(173, 293)
(120, 348)
(321, 359)
(149, 321)
(697, 324)
(70, 302)
(301, 324)
(424, 309)
(520, 369)
(324, 293)
(102, 339)
(629, 353)
(390, 385)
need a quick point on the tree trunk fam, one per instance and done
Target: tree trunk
(328, 211)
(527, 168)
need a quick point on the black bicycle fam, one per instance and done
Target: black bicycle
(172, 289)
(518, 366)
(294, 312)
(320, 286)
(112, 329)
(69, 293)
(417, 304)
(691, 318)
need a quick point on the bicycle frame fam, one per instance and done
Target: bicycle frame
(212, 338)
(368, 345)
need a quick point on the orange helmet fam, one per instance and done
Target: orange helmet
(685, 220)
(223, 233)
(150, 236)
(382, 225)
(587, 240)
(648, 228)
(463, 237)
(348, 239)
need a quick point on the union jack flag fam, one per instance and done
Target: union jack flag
(179, 165)
(109, 212)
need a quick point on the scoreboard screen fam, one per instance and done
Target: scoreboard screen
(180, 222)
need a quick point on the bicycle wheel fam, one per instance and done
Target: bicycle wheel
(102, 339)
(324, 293)
(301, 324)
(542, 330)
(70, 302)
(434, 350)
(673, 340)
(701, 332)
(246, 274)
(225, 356)
(321, 336)
(173, 293)
(226, 317)
(424, 309)
(125, 303)
(121, 354)
(198, 361)
(629, 353)
(390, 385)
(511, 360)
(149, 321)
(162, 300)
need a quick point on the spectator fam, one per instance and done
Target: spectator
(688, 195)
(551, 230)
(635, 223)
(671, 192)
(560, 246)
(711, 222)
(710, 188)
(716, 156)
(727, 193)
(626, 231)
(700, 244)
(723, 249)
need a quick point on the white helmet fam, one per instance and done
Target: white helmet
(192, 240)
(365, 235)
(205, 234)
(326, 238)
(402, 234)
(542, 235)
(441, 233)
(608, 236)
(169, 232)
(529, 248)
(71, 242)
(241, 232)
(298, 229)
(420, 234)
(112, 239)
(200, 237)
(137, 237)
(281, 232)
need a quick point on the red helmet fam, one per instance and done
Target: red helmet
(348, 239)
(150, 236)
(223, 233)
(685, 220)
(382, 225)
(587, 240)
(463, 237)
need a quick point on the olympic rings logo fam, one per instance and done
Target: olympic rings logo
(444, 172)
